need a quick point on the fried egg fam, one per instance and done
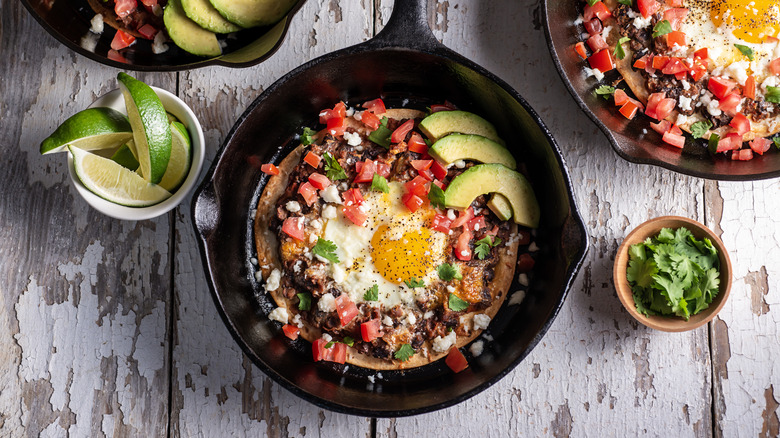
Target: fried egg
(720, 25)
(393, 246)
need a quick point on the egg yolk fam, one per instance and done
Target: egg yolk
(402, 259)
(751, 20)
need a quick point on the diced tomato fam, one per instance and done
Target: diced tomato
(376, 106)
(525, 262)
(462, 248)
(674, 139)
(659, 107)
(116, 56)
(441, 223)
(674, 129)
(400, 132)
(149, 3)
(596, 43)
(681, 76)
(417, 144)
(593, 26)
(580, 49)
(123, 8)
(440, 184)
(629, 109)
(476, 224)
(675, 3)
(371, 329)
(642, 62)
(121, 40)
(674, 66)
(269, 169)
(291, 331)
(661, 127)
(422, 164)
(427, 174)
(346, 309)
(353, 197)
(336, 353)
(412, 201)
(456, 361)
(740, 123)
(749, 90)
(732, 141)
(675, 16)
(463, 218)
(417, 186)
(647, 7)
(660, 62)
(382, 169)
(366, 170)
(319, 180)
(729, 103)
(675, 38)
(774, 66)
(601, 61)
(370, 120)
(439, 171)
(702, 54)
(293, 227)
(742, 155)
(446, 106)
(771, 39)
(308, 192)
(339, 111)
(599, 9)
(760, 145)
(312, 159)
(720, 87)
(148, 31)
(336, 126)
(699, 68)
(355, 214)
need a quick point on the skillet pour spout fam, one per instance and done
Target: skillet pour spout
(405, 65)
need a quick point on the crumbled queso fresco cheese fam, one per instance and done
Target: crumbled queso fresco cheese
(481, 321)
(476, 348)
(273, 280)
(440, 345)
(327, 303)
(279, 314)
(331, 194)
(352, 138)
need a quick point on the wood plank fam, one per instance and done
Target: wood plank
(83, 344)
(596, 369)
(216, 389)
(745, 335)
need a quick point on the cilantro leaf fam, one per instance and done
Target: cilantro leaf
(404, 353)
(307, 137)
(772, 94)
(592, 2)
(747, 51)
(700, 128)
(325, 249)
(330, 344)
(449, 272)
(626, 2)
(456, 304)
(619, 52)
(379, 184)
(333, 169)
(605, 91)
(372, 294)
(348, 340)
(304, 301)
(662, 28)
(381, 135)
(482, 246)
(413, 283)
(436, 196)
(776, 141)
(712, 143)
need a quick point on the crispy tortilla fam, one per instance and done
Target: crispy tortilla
(267, 245)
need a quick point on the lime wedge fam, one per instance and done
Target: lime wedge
(124, 156)
(179, 164)
(113, 182)
(91, 129)
(151, 129)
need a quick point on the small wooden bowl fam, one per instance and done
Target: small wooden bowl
(670, 323)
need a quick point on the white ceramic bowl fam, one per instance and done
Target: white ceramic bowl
(178, 108)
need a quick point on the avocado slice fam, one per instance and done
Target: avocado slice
(441, 123)
(252, 13)
(495, 178)
(500, 206)
(187, 34)
(201, 12)
(471, 147)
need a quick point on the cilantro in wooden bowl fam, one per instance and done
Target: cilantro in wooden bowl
(672, 273)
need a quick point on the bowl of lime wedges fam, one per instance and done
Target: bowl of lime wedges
(135, 153)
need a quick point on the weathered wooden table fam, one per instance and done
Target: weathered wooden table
(107, 327)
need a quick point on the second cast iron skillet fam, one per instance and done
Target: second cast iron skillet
(405, 65)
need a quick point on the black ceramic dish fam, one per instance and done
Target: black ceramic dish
(627, 137)
(403, 62)
(69, 22)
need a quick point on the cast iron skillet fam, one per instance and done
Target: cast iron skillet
(69, 22)
(403, 62)
(628, 137)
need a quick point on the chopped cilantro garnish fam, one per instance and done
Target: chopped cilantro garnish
(456, 304)
(626, 2)
(349, 341)
(673, 273)
(372, 294)
(482, 246)
(592, 2)
(619, 52)
(404, 353)
(712, 144)
(698, 129)
(325, 249)
(304, 301)
(333, 169)
(772, 94)
(747, 51)
(413, 283)
(605, 91)
(330, 344)
(436, 196)
(662, 28)
(381, 135)
(776, 140)
(448, 272)
(307, 137)
(379, 184)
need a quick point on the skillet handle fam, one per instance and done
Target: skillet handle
(408, 27)
(205, 210)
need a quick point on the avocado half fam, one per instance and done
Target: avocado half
(474, 147)
(442, 123)
(187, 34)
